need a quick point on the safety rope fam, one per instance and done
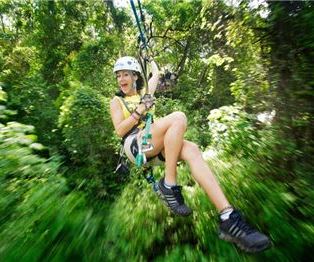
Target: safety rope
(142, 38)
(141, 28)
(144, 145)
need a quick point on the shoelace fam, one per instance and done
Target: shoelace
(177, 193)
(240, 223)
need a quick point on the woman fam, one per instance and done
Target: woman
(168, 142)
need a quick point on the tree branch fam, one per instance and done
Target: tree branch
(181, 65)
(2, 23)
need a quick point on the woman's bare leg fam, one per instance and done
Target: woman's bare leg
(167, 135)
(232, 227)
(200, 171)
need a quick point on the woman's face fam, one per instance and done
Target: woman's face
(125, 80)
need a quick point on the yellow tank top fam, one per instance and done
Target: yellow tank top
(130, 103)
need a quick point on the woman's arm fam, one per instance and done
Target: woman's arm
(153, 81)
(123, 126)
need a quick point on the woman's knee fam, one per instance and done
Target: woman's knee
(190, 151)
(193, 148)
(180, 118)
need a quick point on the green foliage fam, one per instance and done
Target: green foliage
(20, 63)
(247, 182)
(29, 93)
(88, 65)
(92, 57)
(3, 95)
(292, 72)
(249, 68)
(153, 233)
(86, 126)
(166, 106)
(89, 141)
(40, 217)
(56, 66)
(31, 98)
(232, 131)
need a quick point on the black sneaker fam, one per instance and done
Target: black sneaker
(173, 199)
(237, 231)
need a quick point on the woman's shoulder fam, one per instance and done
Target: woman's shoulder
(115, 101)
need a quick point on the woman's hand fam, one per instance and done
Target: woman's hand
(141, 109)
(148, 100)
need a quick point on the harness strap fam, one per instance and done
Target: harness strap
(133, 130)
(125, 104)
(149, 176)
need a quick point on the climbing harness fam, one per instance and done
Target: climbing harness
(143, 141)
(144, 144)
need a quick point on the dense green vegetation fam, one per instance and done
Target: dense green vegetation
(60, 199)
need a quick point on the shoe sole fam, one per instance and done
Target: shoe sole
(253, 249)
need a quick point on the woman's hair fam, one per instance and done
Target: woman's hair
(139, 84)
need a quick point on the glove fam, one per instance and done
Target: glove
(148, 100)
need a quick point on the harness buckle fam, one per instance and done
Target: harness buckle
(147, 147)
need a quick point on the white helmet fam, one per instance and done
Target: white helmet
(127, 63)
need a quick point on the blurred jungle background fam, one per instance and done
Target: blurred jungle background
(245, 81)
